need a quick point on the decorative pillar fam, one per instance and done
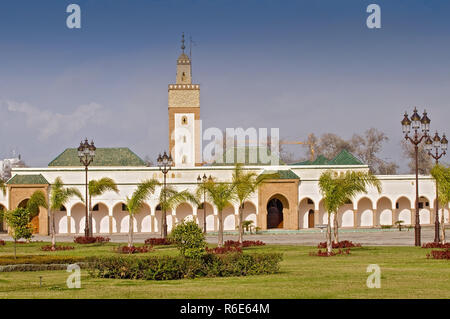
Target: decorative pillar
(68, 221)
(355, 218)
(152, 220)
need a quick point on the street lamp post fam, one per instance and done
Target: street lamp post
(203, 180)
(165, 164)
(416, 123)
(438, 144)
(86, 153)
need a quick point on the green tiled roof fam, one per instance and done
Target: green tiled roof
(281, 174)
(343, 158)
(249, 160)
(103, 157)
(28, 179)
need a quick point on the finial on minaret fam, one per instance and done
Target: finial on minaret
(182, 42)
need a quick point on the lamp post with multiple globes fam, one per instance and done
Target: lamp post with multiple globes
(164, 163)
(86, 154)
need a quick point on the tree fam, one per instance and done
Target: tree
(189, 239)
(245, 184)
(441, 175)
(37, 200)
(337, 189)
(137, 201)
(170, 198)
(59, 196)
(97, 188)
(222, 195)
(19, 222)
(425, 160)
(330, 145)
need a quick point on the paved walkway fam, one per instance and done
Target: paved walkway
(374, 237)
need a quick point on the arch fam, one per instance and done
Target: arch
(323, 214)
(184, 212)
(276, 206)
(346, 216)
(77, 218)
(209, 217)
(424, 211)
(249, 212)
(403, 208)
(121, 219)
(143, 223)
(61, 221)
(100, 218)
(304, 208)
(384, 209)
(364, 216)
(229, 220)
(158, 216)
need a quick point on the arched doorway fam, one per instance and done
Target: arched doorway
(311, 218)
(274, 213)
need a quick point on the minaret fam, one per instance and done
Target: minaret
(184, 115)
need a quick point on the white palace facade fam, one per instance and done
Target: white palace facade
(290, 201)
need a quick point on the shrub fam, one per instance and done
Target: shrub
(2, 242)
(49, 248)
(324, 253)
(245, 243)
(224, 250)
(169, 268)
(91, 240)
(436, 245)
(341, 244)
(439, 254)
(158, 241)
(132, 249)
(42, 259)
(189, 239)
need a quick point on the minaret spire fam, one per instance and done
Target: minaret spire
(182, 42)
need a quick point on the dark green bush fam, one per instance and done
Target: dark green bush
(169, 268)
(42, 259)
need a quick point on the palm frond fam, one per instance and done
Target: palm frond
(60, 196)
(143, 191)
(98, 187)
(37, 199)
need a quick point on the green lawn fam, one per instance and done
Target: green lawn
(405, 273)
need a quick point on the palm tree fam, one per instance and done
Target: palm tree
(221, 194)
(137, 201)
(442, 176)
(245, 185)
(337, 189)
(60, 195)
(97, 188)
(170, 198)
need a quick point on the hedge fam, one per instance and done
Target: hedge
(169, 268)
(42, 259)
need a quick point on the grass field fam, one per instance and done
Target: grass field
(405, 273)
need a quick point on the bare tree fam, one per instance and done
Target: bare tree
(425, 161)
(330, 145)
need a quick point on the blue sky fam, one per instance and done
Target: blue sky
(303, 66)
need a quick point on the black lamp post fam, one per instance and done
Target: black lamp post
(416, 123)
(203, 180)
(86, 153)
(438, 144)
(165, 164)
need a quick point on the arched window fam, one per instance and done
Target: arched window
(184, 120)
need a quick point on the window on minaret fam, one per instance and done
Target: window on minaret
(183, 76)
(184, 138)
(183, 160)
(184, 120)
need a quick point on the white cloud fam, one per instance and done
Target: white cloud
(48, 123)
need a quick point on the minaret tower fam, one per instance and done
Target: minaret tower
(184, 115)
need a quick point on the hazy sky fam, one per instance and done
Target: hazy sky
(302, 66)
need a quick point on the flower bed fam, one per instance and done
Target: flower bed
(439, 254)
(324, 253)
(245, 243)
(132, 249)
(91, 240)
(436, 245)
(50, 248)
(157, 241)
(341, 244)
(224, 250)
(169, 268)
(2, 243)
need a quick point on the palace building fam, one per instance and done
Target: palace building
(291, 200)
